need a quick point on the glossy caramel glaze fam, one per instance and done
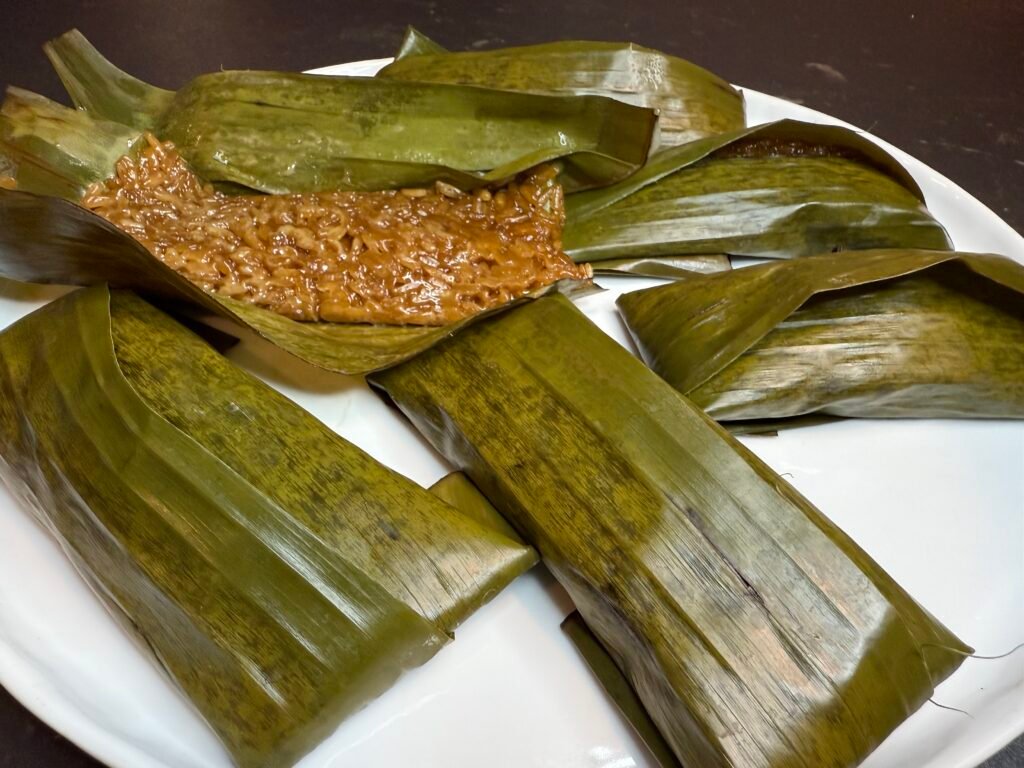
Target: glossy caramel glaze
(411, 256)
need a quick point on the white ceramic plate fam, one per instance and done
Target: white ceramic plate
(940, 504)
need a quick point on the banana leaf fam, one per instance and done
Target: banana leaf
(59, 151)
(458, 490)
(45, 239)
(692, 103)
(280, 576)
(415, 43)
(772, 427)
(668, 267)
(288, 132)
(618, 688)
(7, 169)
(779, 190)
(98, 87)
(875, 334)
(756, 633)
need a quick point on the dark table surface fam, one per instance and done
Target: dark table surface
(942, 79)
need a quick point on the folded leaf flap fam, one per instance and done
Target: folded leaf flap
(669, 267)
(755, 632)
(458, 490)
(65, 150)
(772, 427)
(290, 132)
(691, 101)
(689, 331)
(415, 43)
(46, 239)
(668, 162)
(778, 190)
(101, 89)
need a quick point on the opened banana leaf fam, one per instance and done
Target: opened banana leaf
(63, 151)
(755, 632)
(279, 575)
(691, 102)
(289, 132)
(779, 190)
(874, 334)
(45, 239)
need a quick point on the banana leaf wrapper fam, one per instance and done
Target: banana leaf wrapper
(279, 575)
(288, 132)
(756, 633)
(692, 103)
(668, 267)
(7, 169)
(772, 427)
(47, 238)
(617, 686)
(59, 151)
(779, 190)
(458, 490)
(878, 334)
(415, 43)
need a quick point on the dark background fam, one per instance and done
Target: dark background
(942, 79)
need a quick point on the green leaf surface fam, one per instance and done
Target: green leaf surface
(617, 686)
(778, 190)
(882, 334)
(285, 132)
(415, 43)
(755, 632)
(691, 102)
(458, 490)
(59, 151)
(49, 240)
(669, 267)
(280, 576)
(101, 89)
